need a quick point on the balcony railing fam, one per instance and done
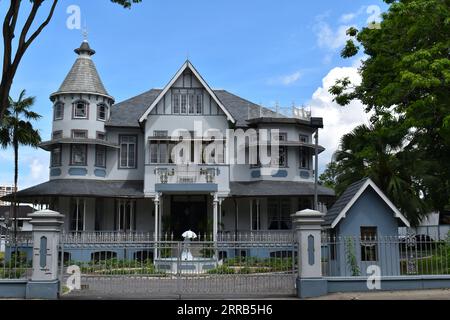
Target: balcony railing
(186, 174)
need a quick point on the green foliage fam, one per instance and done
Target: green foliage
(221, 270)
(406, 80)
(126, 3)
(328, 177)
(352, 262)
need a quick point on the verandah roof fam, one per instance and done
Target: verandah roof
(82, 188)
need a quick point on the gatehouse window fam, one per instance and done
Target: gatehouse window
(369, 247)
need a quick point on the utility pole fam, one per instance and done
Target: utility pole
(316, 123)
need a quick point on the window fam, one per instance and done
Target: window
(255, 215)
(369, 244)
(79, 134)
(57, 135)
(78, 155)
(191, 104)
(282, 152)
(126, 215)
(160, 151)
(101, 136)
(128, 151)
(100, 156)
(161, 133)
(187, 102)
(183, 104)
(304, 138)
(80, 110)
(55, 157)
(199, 104)
(58, 111)
(102, 112)
(305, 158)
(176, 103)
(77, 214)
(279, 213)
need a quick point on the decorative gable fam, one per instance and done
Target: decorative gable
(187, 94)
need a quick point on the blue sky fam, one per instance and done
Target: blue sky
(265, 51)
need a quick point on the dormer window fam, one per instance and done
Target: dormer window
(102, 112)
(58, 111)
(80, 110)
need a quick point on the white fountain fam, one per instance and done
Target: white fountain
(186, 262)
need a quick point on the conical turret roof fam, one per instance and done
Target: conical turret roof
(83, 76)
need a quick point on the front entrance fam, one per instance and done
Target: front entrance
(188, 213)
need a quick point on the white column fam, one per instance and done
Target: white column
(215, 209)
(156, 201)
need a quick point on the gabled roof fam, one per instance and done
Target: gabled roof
(83, 76)
(339, 210)
(186, 65)
(128, 112)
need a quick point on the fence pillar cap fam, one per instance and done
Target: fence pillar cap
(46, 217)
(308, 216)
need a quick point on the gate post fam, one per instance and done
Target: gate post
(44, 283)
(308, 228)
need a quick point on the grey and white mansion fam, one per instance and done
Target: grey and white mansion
(111, 169)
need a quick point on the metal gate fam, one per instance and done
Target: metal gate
(172, 269)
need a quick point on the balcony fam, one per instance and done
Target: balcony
(186, 174)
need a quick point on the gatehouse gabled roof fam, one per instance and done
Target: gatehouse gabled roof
(339, 210)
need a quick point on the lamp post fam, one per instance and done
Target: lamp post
(316, 123)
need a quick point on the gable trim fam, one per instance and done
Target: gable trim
(186, 65)
(369, 182)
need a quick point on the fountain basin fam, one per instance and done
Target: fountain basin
(195, 265)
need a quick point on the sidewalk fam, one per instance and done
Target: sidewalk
(438, 294)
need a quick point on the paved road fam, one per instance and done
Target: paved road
(438, 294)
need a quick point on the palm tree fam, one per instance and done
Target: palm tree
(16, 129)
(378, 152)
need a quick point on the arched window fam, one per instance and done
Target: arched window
(58, 111)
(80, 110)
(102, 112)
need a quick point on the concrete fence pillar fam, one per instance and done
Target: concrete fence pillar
(44, 283)
(308, 228)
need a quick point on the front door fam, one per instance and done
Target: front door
(188, 213)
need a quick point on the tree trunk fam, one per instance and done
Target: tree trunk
(16, 176)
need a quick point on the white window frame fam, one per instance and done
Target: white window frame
(86, 110)
(55, 158)
(58, 105)
(98, 150)
(79, 215)
(72, 154)
(99, 106)
(121, 215)
(125, 147)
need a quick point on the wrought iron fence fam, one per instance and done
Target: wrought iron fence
(406, 255)
(15, 254)
(189, 268)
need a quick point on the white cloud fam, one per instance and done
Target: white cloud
(345, 18)
(286, 80)
(338, 120)
(331, 39)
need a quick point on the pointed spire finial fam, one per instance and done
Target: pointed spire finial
(85, 32)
